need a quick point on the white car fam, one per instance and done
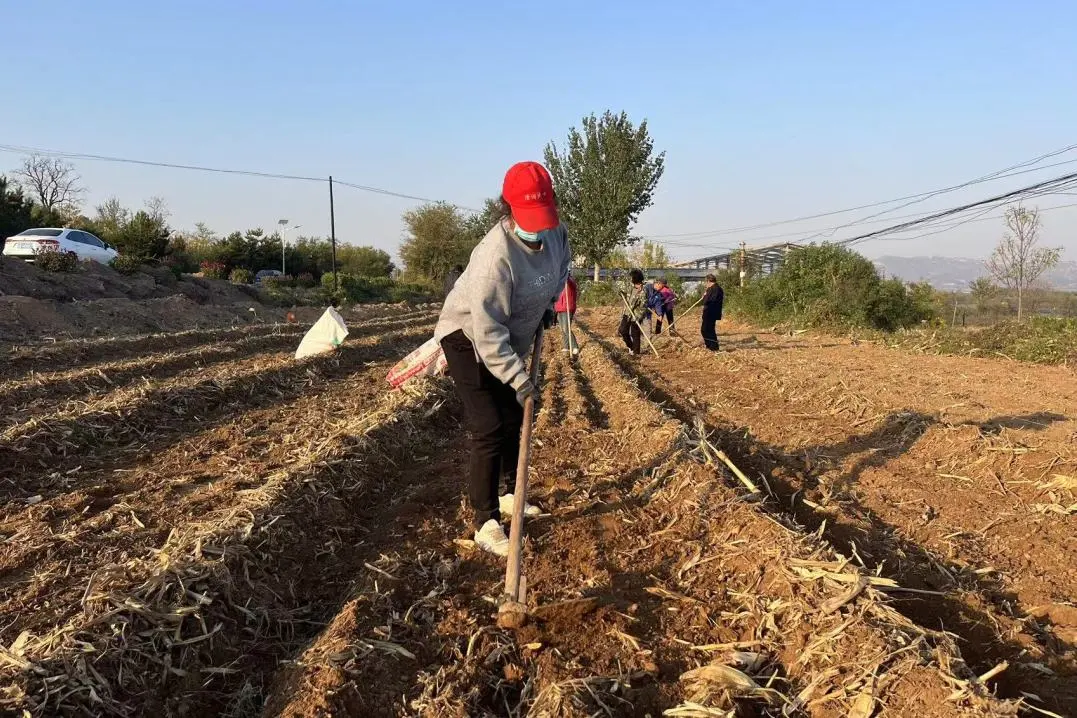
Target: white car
(26, 245)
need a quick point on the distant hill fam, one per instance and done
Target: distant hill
(955, 273)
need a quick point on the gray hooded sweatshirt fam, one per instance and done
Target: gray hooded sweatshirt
(500, 298)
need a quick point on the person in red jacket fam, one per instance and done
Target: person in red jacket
(566, 310)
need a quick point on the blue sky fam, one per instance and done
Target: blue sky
(766, 110)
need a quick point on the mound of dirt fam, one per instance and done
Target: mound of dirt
(96, 300)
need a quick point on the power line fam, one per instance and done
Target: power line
(1035, 190)
(1011, 171)
(800, 234)
(218, 170)
(997, 175)
(1054, 186)
(946, 225)
(978, 217)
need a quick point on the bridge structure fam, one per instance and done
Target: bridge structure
(688, 274)
(764, 259)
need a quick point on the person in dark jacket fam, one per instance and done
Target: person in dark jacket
(712, 312)
(634, 314)
(451, 277)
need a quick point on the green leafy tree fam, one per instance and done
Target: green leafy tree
(619, 259)
(313, 255)
(477, 224)
(828, 285)
(982, 288)
(986, 295)
(1018, 261)
(364, 261)
(16, 210)
(605, 176)
(650, 255)
(438, 237)
(110, 220)
(142, 237)
(241, 249)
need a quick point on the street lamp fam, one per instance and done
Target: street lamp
(283, 243)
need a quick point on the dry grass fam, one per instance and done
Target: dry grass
(163, 609)
(858, 642)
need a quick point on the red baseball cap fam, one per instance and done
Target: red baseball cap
(529, 191)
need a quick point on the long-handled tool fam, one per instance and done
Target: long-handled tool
(573, 348)
(513, 610)
(643, 333)
(671, 324)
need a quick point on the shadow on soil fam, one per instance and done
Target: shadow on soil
(912, 565)
(627, 485)
(899, 432)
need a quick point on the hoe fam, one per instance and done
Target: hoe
(513, 610)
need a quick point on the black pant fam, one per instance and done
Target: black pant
(664, 314)
(630, 333)
(493, 417)
(710, 334)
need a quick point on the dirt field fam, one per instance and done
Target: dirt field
(198, 525)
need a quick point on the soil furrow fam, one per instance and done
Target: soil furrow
(47, 455)
(77, 353)
(962, 600)
(52, 548)
(71, 354)
(551, 407)
(664, 556)
(44, 392)
(675, 537)
(196, 626)
(440, 599)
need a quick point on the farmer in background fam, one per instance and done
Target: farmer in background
(634, 312)
(487, 327)
(566, 312)
(662, 304)
(451, 277)
(712, 312)
(650, 298)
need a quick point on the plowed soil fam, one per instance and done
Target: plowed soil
(198, 525)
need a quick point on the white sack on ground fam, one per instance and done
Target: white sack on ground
(327, 334)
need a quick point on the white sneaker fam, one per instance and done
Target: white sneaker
(491, 537)
(507, 503)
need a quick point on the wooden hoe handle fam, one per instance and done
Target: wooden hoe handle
(516, 532)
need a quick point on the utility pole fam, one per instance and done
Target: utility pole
(333, 235)
(743, 261)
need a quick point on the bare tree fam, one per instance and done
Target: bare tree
(54, 183)
(1017, 261)
(157, 209)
